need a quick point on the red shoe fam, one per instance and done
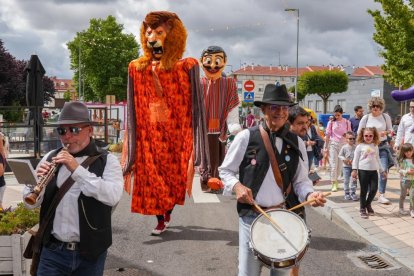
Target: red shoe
(159, 229)
(167, 218)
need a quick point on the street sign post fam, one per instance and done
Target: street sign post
(248, 97)
(249, 85)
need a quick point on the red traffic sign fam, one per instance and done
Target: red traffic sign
(249, 85)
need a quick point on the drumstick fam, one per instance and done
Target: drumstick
(272, 221)
(308, 201)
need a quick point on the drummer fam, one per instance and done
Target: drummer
(247, 157)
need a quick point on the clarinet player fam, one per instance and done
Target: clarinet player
(76, 234)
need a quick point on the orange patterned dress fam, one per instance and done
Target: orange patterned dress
(161, 134)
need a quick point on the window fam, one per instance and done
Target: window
(310, 104)
(329, 106)
(260, 87)
(342, 103)
(319, 106)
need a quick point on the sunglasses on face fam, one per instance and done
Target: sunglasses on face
(369, 136)
(274, 107)
(376, 106)
(74, 130)
(351, 139)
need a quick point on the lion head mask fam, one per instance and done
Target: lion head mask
(163, 38)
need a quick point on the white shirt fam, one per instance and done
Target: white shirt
(382, 123)
(269, 193)
(366, 157)
(405, 128)
(107, 189)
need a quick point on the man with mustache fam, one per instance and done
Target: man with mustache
(221, 101)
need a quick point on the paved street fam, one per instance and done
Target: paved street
(203, 237)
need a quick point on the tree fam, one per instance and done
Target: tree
(13, 81)
(323, 83)
(103, 53)
(395, 33)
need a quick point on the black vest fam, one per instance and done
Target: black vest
(252, 176)
(94, 216)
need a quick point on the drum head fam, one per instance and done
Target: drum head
(273, 244)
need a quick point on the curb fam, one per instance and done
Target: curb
(337, 215)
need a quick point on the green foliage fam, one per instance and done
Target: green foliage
(323, 83)
(394, 27)
(18, 221)
(105, 53)
(244, 104)
(14, 115)
(67, 96)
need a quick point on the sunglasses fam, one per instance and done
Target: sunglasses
(369, 136)
(376, 106)
(74, 130)
(274, 107)
(351, 139)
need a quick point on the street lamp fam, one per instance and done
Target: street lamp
(297, 50)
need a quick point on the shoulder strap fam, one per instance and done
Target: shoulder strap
(58, 197)
(273, 161)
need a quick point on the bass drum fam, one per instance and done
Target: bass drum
(277, 249)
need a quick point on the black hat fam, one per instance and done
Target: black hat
(275, 94)
(74, 113)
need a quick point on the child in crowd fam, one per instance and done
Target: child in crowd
(346, 154)
(406, 160)
(365, 166)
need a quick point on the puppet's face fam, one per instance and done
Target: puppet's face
(213, 64)
(155, 40)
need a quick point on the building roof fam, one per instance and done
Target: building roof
(285, 71)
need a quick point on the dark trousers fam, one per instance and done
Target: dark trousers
(368, 181)
(217, 154)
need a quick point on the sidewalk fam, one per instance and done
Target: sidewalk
(390, 232)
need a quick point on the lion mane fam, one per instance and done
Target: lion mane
(174, 43)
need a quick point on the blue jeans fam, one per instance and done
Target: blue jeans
(383, 154)
(347, 178)
(248, 264)
(56, 260)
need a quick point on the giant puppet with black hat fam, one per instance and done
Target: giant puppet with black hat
(265, 167)
(222, 113)
(166, 134)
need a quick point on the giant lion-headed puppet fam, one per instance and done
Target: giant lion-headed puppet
(166, 120)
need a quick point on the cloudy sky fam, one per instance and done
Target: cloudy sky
(255, 32)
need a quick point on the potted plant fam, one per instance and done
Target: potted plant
(14, 224)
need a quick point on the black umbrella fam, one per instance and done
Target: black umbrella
(35, 98)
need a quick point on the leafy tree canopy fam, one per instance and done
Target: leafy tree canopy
(13, 80)
(323, 83)
(103, 53)
(394, 27)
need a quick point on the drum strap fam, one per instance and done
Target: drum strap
(273, 162)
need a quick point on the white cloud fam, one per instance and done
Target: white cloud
(334, 31)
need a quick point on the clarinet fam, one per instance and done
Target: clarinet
(43, 181)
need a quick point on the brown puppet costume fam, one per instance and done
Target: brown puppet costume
(221, 100)
(166, 120)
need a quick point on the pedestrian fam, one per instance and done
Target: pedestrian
(358, 114)
(2, 169)
(365, 167)
(246, 171)
(382, 122)
(346, 154)
(406, 162)
(250, 120)
(74, 241)
(405, 130)
(335, 139)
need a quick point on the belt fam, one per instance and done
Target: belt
(72, 246)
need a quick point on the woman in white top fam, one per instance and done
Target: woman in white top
(382, 122)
